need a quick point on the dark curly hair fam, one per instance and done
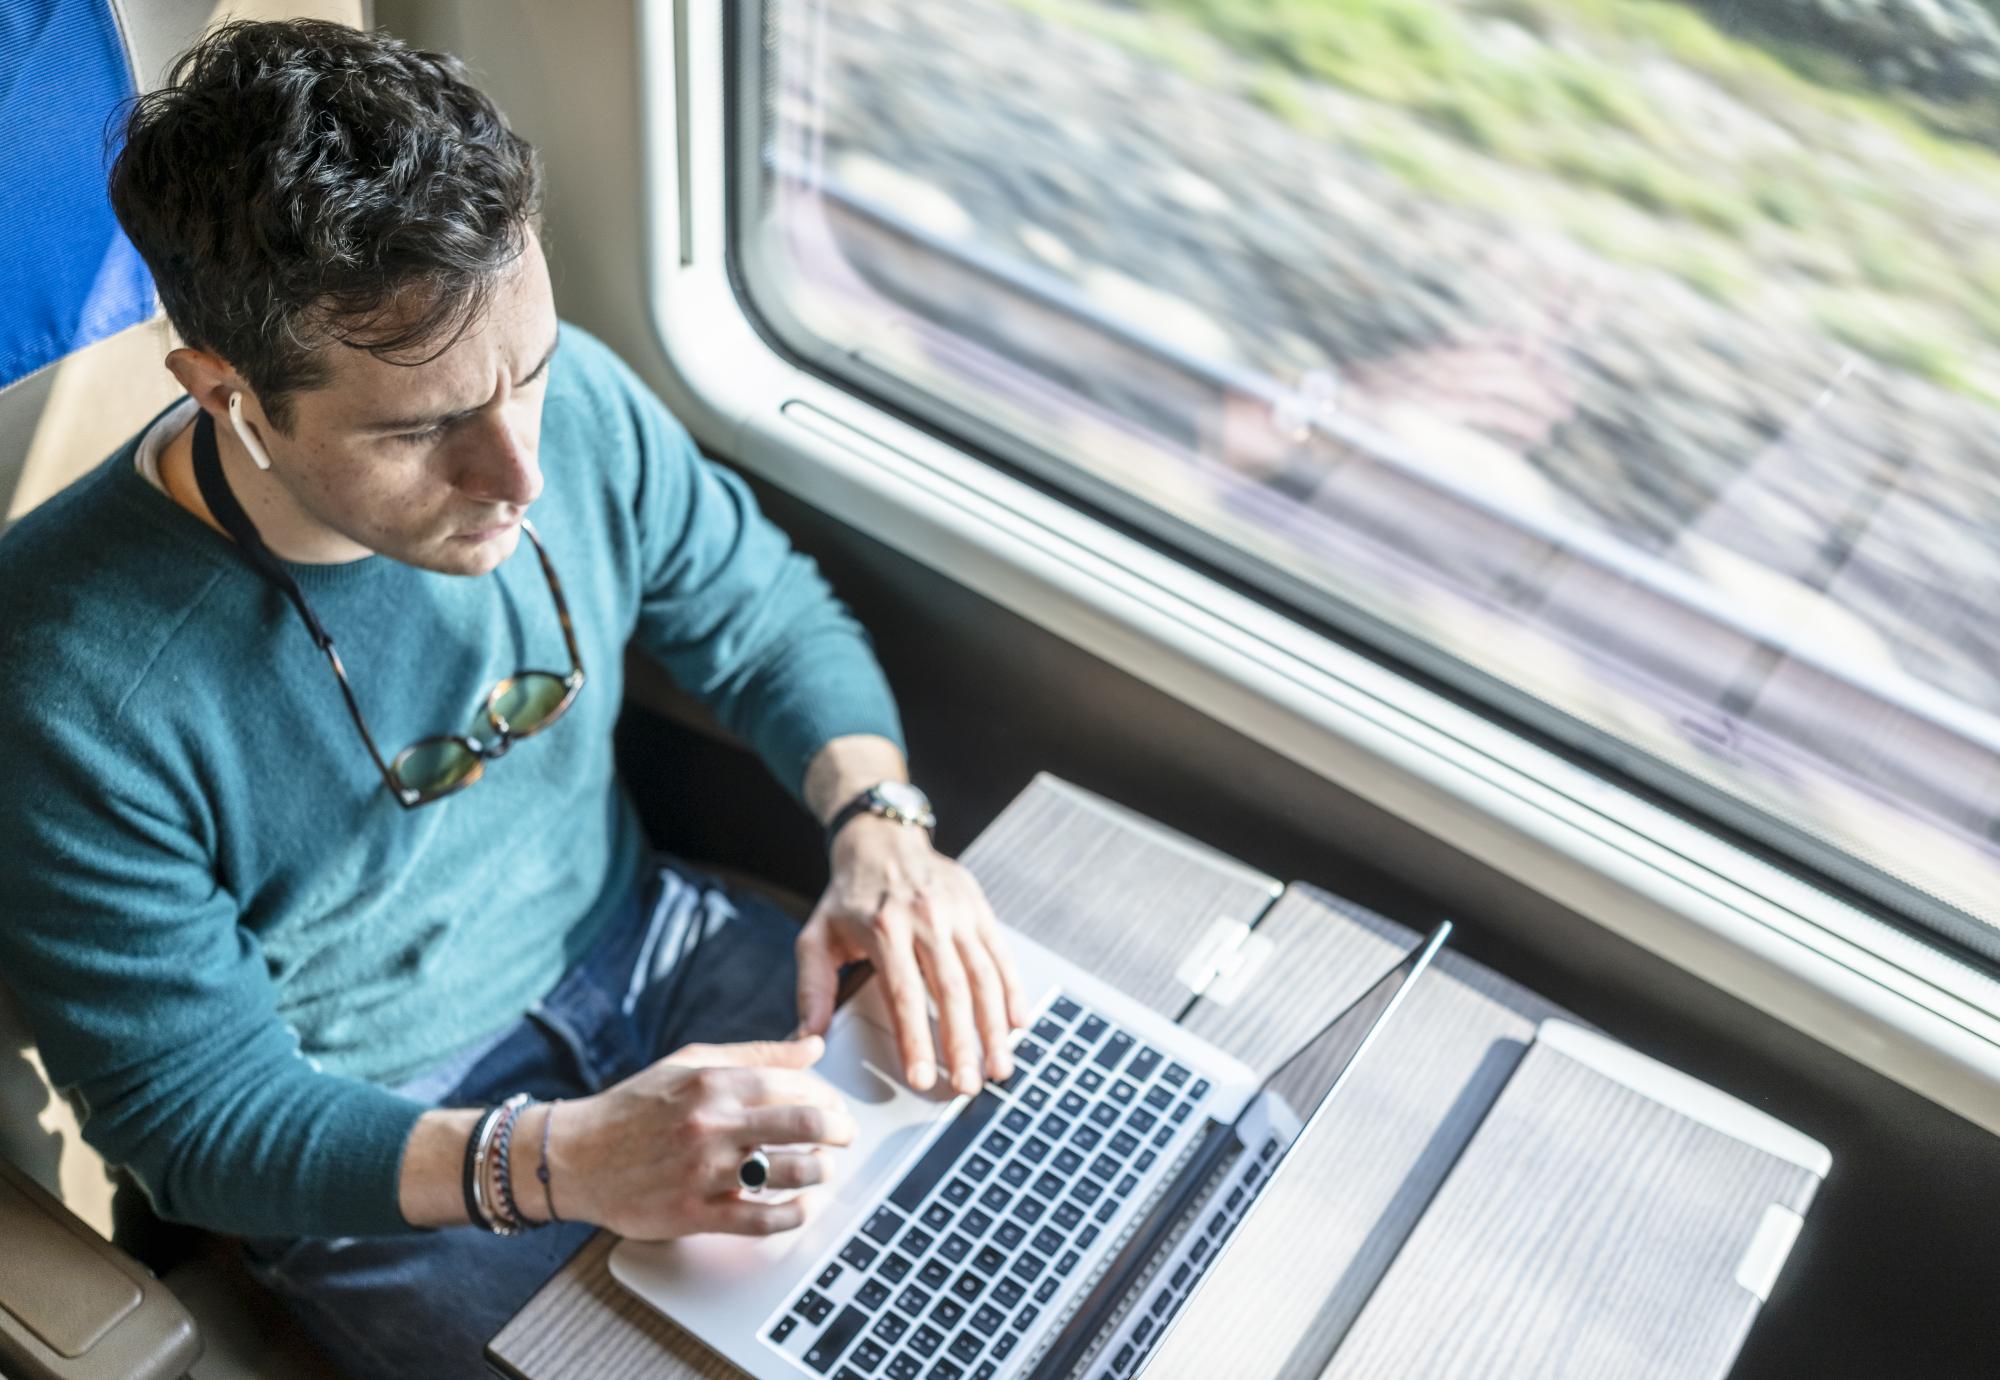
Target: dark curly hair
(300, 183)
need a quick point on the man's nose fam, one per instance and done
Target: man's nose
(502, 466)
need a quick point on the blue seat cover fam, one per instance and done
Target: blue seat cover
(68, 275)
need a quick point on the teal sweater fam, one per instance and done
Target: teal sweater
(229, 940)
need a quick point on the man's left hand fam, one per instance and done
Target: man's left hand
(925, 924)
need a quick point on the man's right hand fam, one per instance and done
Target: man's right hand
(656, 1156)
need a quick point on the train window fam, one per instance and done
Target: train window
(1631, 364)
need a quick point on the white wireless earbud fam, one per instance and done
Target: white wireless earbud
(250, 442)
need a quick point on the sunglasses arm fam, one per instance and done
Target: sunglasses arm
(575, 680)
(405, 797)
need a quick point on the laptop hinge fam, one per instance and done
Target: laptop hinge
(1220, 965)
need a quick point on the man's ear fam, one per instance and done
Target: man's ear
(208, 379)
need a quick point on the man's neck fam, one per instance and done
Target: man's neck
(289, 533)
(177, 477)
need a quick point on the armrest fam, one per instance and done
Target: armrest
(75, 1307)
(652, 689)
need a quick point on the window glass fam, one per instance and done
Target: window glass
(1637, 360)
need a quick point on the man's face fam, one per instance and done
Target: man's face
(433, 464)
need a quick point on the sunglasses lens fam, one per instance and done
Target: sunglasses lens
(528, 702)
(435, 766)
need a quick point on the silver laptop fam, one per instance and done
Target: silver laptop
(1049, 1227)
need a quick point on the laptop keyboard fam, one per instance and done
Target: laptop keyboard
(965, 1263)
(1131, 1335)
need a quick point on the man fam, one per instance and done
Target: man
(284, 972)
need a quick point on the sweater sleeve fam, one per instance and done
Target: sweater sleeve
(741, 620)
(153, 1007)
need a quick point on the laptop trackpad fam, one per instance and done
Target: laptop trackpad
(863, 1065)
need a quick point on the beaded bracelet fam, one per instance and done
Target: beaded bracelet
(505, 1220)
(510, 1211)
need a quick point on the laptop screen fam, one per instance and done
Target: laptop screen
(1308, 1078)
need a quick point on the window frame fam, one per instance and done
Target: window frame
(1677, 789)
(1893, 1000)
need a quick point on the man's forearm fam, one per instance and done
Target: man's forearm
(847, 766)
(431, 1192)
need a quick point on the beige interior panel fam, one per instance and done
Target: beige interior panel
(96, 399)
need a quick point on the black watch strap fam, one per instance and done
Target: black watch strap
(856, 806)
(843, 814)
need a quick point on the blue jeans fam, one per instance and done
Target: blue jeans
(687, 958)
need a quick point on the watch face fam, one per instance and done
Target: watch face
(905, 799)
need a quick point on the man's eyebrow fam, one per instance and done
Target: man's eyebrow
(547, 355)
(447, 418)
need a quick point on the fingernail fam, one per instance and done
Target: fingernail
(1003, 1069)
(968, 1079)
(922, 1075)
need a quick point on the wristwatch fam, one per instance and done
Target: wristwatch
(897, 800)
